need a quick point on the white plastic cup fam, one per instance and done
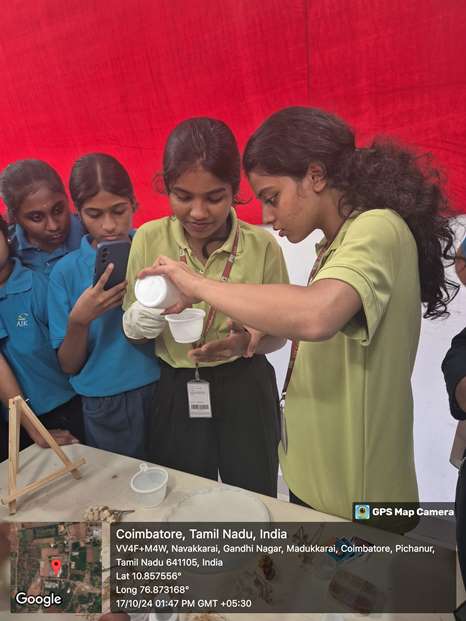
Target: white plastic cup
(149, 485)
(186, 327)
(156, 292)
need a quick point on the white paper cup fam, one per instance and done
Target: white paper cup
(156, 292)
(186, 327)
(149, 485)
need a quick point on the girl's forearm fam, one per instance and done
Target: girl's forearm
(277, 310)
(9, 387)
(269, 344)
(313, 313)
(72, 353)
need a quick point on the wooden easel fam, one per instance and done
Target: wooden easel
(18, 408)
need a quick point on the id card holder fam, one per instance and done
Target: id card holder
(284, 435)
(199, 399)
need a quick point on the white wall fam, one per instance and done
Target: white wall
(433, 426)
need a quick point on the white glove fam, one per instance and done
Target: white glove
(141, 322)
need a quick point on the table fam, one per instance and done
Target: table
(105, 481)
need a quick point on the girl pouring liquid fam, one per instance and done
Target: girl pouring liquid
(347, 433)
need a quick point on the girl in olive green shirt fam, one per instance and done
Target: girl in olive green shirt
(348, 432)
(239, 440)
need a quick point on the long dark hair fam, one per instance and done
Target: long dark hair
(22, 177)
(205, 142)
(95, 172)
(382, 176)
(4, 232)
(3, 228)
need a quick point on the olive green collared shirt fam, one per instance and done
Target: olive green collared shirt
(349, 406)
(259, 259)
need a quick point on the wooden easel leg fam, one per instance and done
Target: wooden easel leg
(13, 450)
(19, 417)
(18, 408)
(34, 420)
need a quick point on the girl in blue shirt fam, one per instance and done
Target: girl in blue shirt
(117, 380)
(28, 364)
(43, 229)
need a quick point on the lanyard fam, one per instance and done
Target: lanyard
(224, 278)
(295, 344)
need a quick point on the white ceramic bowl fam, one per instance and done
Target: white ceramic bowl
(186, 327)
(149, 485)
(219, 504)
(156, 292)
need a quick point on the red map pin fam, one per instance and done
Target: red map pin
(56, 565)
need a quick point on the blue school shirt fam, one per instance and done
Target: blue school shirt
(25, 342)
(41, 260)
(113, 365)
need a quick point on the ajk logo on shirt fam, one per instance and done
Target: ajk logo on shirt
(22, 320)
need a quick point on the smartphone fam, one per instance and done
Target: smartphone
(116, 252)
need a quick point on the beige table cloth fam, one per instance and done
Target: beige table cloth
(105, 481)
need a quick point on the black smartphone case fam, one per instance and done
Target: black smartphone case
(116, 252)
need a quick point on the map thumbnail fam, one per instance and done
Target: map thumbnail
(56, 562)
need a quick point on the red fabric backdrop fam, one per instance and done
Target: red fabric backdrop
(81, 75)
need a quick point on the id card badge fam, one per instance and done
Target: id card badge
(199, 399)
(284, 435)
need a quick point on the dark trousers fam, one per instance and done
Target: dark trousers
(240, 440)
(119, 423)
(460, 508)
(67, 416)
